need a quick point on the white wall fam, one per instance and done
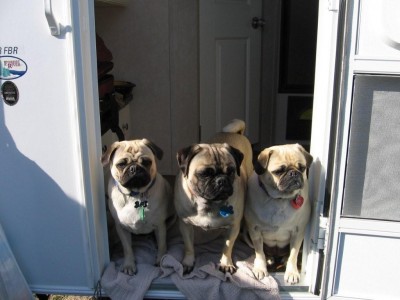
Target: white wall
(155, 45)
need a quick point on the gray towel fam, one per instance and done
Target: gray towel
(204, 282)
(120, 286)
(207, 282)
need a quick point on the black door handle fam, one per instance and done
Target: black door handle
(257, 22)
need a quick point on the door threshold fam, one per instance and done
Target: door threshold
(164, 288)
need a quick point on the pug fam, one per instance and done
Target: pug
(277, 208)
(140, 199)
(210, 189)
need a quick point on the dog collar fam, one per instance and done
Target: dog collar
(133, 193)
(296, 202)
(263, 187)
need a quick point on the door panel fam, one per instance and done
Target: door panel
(46, 196)
(381, 38)
(363, 210)
(374, 145)
(230, 59)
(357, 277)
(231, 80)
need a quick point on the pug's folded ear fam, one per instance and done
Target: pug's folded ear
(237, 155)
(261, 164)
(109, 154)
(307, 156)
(184, 157)
(157, 151)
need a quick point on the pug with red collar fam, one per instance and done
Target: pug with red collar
(277, 208)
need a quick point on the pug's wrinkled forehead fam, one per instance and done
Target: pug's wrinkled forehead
(216, 154)
(221, 155)
(134, 148)
(283, 156)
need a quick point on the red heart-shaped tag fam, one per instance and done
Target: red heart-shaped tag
(297, 202)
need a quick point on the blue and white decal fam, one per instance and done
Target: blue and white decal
(12, 67)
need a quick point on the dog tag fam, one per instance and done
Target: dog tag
(297, 202)
(226, 211)
(141, 213)
(141, 205)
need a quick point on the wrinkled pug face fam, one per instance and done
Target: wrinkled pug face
(284, 167)
(133, 163)
(210, 169)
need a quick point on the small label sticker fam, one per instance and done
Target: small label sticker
(9, 93)
(12, 67)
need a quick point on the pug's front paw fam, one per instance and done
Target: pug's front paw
(128, 267)
(188, 264)
(260, 268)
(292, 275)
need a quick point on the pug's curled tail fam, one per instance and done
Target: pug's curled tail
(235, 126)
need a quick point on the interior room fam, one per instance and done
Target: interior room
(155, 46)
(155, 77)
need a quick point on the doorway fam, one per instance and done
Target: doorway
(263, 73)
(288, 64)
(163, 61)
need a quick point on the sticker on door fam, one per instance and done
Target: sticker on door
(9, 93)
(12, 67)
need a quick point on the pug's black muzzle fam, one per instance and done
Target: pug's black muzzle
(218, 188)
(291, 181)
(135, 177)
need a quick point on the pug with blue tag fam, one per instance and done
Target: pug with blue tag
(210, 189)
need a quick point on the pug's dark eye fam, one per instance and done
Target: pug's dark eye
(279, 171)
(207, 172)
(146, 162)
(302, 168)
(230, 170)
(121, 164)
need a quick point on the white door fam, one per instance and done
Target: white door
(52, 205)
(230, 59)
(362, 260)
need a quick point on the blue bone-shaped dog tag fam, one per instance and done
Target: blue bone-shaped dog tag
(226, 211)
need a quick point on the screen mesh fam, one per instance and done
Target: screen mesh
(372, 182)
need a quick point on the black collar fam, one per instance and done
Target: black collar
(264, 188)
(133, 193)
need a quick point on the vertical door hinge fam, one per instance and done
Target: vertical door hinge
(333, 5)
(323, 233)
